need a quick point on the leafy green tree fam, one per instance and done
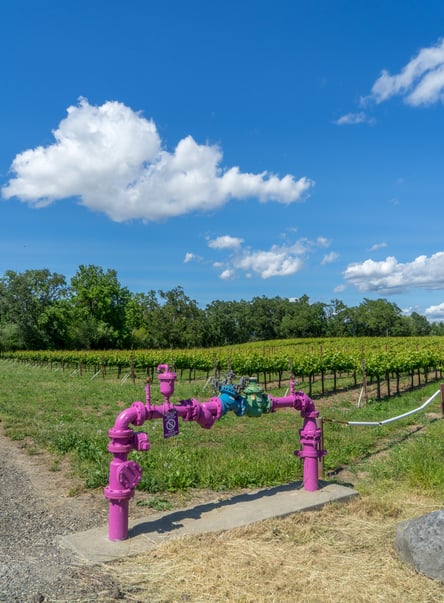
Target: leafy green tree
(10, 338)
(229, 323)
(265, 317)
(181, 321)
(143, 320)
(30, 309)
(437, 328)
(418, 325)
(220, 324)
(379, 318)
(339, 318)
(99, 309)
(303, 319)
(38, 310)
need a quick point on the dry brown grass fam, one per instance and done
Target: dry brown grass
(342, 553)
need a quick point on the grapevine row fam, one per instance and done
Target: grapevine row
(306, 359)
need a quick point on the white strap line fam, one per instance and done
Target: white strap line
(406, 414)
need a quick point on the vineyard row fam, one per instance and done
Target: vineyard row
(396, 359)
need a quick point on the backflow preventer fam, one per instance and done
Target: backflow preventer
(124, 474)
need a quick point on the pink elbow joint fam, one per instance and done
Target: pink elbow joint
(125, 475)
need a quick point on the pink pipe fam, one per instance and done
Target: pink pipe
(204, 413)
(118, 501)
(310, 437)
(298, 400)
(310, 434)
(135, 414)
(124, 475)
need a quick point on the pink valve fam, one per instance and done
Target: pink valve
(167, 380)
(124, 474)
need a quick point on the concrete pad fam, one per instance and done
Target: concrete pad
(144, 535)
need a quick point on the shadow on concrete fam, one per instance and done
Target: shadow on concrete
(173, 521)
(225, 514)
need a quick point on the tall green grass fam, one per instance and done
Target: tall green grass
(70, 414)
(418, 462)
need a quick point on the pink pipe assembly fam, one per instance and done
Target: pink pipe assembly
(124, 474)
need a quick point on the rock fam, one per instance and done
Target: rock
(420, 542)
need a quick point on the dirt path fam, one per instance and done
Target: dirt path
(39, 500)
(35, 507)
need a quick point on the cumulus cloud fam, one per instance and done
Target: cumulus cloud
(420, 82)
(225, 242)
(339, 289)
(435, 312)
(322, 242)
(391, 276)
(351, 119)
(279, 260)
(329, 258)
(377, 246)
(111, 158)
(189, 257)
(227, 274)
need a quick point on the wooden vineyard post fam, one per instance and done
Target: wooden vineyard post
(320, 425)
(442, 398)
(364, 382)
(132, 371)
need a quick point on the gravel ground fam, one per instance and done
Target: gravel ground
(35, 507)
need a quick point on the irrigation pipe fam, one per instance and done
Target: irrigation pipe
(406, 414)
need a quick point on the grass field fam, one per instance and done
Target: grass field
(342, 553)
(70, 415)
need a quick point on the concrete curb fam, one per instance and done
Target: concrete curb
(93, 545)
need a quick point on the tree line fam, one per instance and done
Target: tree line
(39, 310)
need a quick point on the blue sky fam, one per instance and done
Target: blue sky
(235, 149)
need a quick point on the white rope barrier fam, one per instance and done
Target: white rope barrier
(406, 414)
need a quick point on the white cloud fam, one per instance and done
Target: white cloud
(279, 260)
(189, 257)
(330, 258)
(112, 159)
(227, 274)
(391, 276)
(322, 242)
(339, 289)
(420, 82)
(435, 312)
(352, 119)
(225, 242)
(377, 246)
(407, 311)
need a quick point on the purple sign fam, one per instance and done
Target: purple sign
(170, 424)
